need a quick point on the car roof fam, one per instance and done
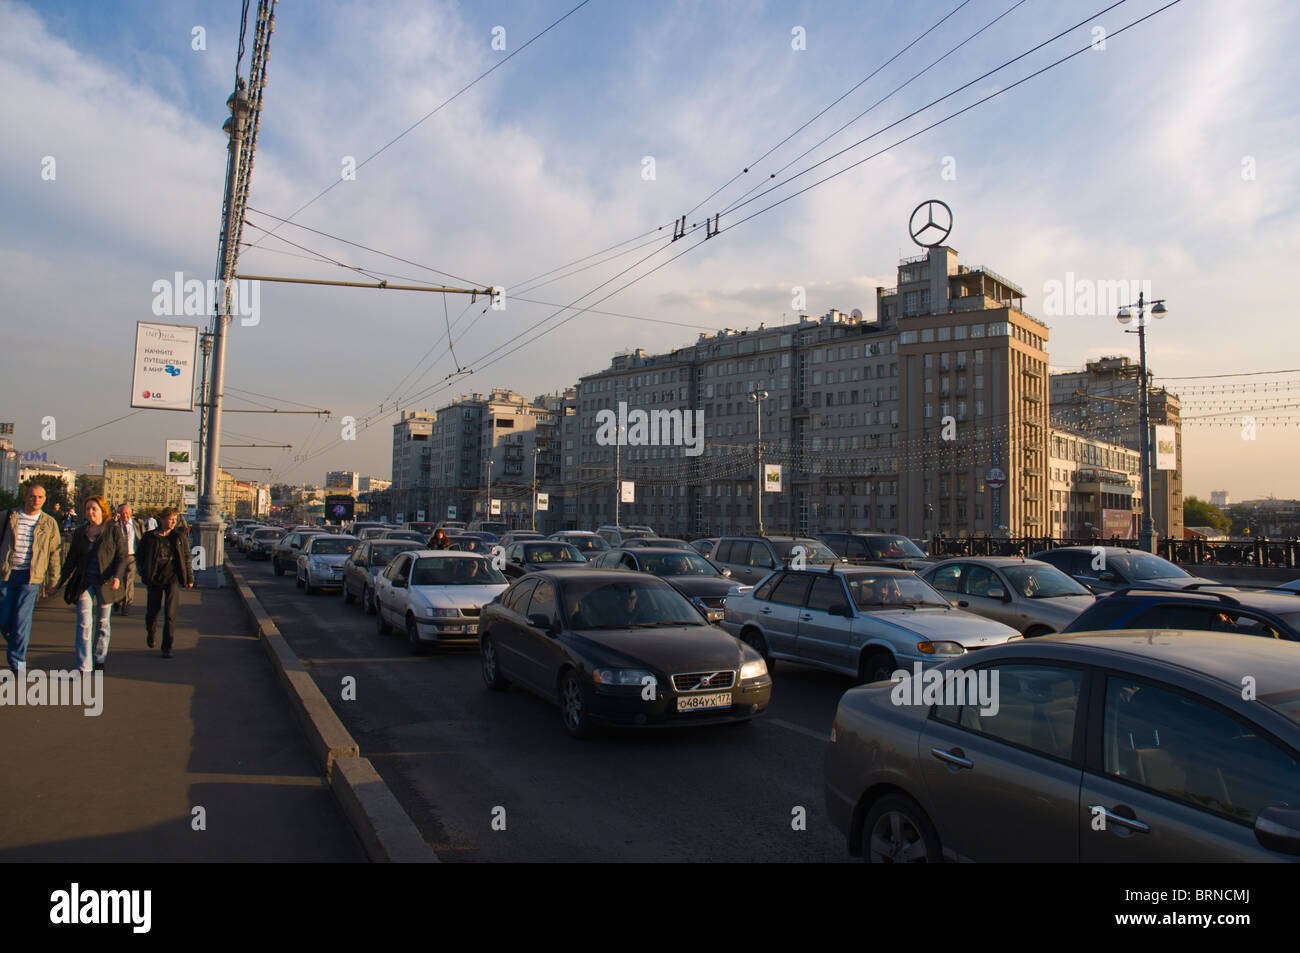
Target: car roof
(1265, 599)
(1089, 549)
(1224, 657)
(655, 550)
(994, 561)
(453, 553)
(344, 536)
(598, 575)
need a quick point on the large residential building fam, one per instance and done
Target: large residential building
(145, 484)
(9, 462)
(1094, 488)
(368, 484)
(343, 481)
(1102, 400)
(412, 462)
(27, 470)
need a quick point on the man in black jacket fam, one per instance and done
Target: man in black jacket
(164, 560)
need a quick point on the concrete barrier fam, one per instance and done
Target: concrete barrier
(386, 831)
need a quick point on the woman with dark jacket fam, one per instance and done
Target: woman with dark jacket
(439, 540)
(164, 561)
(93, 579)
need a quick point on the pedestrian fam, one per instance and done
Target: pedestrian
(439, 540)
(30, 550)
(150, 524)
(133, 531)
(164, 566)
(92, 580)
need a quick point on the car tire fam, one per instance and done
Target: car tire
(897, 830)
(575, 705)
(383, 627)
(368, 600)
(306, 584)
(413, 637)
(279, 570)
(492, 676)
(876, 666)
(348, 597)
(755, 640)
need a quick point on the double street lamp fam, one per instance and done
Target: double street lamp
(1146, 534)
(758, 397)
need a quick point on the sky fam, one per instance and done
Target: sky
(1166, 155)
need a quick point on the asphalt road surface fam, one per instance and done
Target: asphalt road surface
(493, 776)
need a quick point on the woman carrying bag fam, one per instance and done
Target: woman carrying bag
(92, 578)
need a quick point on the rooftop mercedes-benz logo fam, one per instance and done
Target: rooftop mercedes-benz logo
(932, 224)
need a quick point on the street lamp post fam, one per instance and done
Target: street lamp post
(536, 451)
(758, 397)
(487, 504)
(1146, 534)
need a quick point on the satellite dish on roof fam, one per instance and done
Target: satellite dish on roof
(857, 314)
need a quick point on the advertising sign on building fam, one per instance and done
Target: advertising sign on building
(495, 508)
(543, 501)
(163, 378)
(772, 478)
(627, 492)
(178, 458)
(1166, 448)
(419, 516)
(451, 512)
(189, 494)
(1117, 523)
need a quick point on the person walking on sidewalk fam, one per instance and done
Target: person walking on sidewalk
(133, 531)
(30, 551)
(92, 580)
(165, 566)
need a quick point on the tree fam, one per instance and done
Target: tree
(56, 493)
(88, 485)
(7, 500)
(1198, 512)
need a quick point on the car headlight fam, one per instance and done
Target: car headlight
(436, 613)
(754, 669)
(621, 676)
(940, 648)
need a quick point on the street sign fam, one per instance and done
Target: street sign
(996, 478)
(179, 459)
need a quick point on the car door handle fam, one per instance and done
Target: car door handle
(963, 604)
(805, 618)
(1131, 823)
(954, 757)
(765, 611)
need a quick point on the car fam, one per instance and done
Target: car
(365, 563)
(464, 543)
(705, 546)
(702, 582)
(490, 538)
(864, 622)
(1032, 596)
(373, 532)
(359, 527)
(410, 535)
(1292, 586)
(284, 554)
(234, 530)
(320, 561)
(877, 549)
(1136, 746)
(1107, 568)
(435, 596)
(245, 536)
(424, 527)
(263, 541)
(495, 528)
(527, 556)
(1263, 612)
(518, 535)
(586, 543)
(657, 542)
(750, 558)
(451, 527)
(617, 535)
(618, 648)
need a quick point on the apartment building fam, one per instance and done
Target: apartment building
(412, 461)
(29, 469)
(144, 484)
(343, 481)
(1094, 488)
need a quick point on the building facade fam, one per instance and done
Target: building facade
(412, 462)
(1094, 488)
(146, 486)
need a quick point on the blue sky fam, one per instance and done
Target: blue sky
(1125, 163)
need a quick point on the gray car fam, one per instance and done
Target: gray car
(750, 558)
(1032, 596)
(863, 622)
(366, 562)
(1128, 746)
(320, 563)
(1107, 568)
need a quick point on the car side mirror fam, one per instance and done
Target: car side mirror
(727, 573)
(544, 622)
(1278, 828)
(997, 592)
(1106, 575)
(841, 609)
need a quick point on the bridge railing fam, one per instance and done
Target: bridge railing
(1272, 553)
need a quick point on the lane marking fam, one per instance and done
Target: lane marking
(800, 729)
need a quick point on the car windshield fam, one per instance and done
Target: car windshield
(268, 534)
(887, 590)
(677, 564)
(813, 551)
(893, 547)
(496, 529)
(455, 571)
(406, 534)
(425, 528)
(552, 553)
(382, 554)
(631, 603)
(587, 544)
(1139, 566)
(468, 544)
(327, 546)
(635, 533)
(1043, 582)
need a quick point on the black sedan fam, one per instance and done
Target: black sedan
(697, 578)
(614, 648)
(530, 556)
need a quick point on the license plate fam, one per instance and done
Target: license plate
(699, 702)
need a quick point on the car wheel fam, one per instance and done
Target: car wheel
(279, 570)
(348, 597)
(368, 600)
(492, 676)
(306, 584)
(384, 627)
(877, 667)
(574, 706)
(413, 637)
(754, 639)
(896, 831)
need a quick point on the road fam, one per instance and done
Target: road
(494, 777)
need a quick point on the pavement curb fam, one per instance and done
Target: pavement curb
(386, 831)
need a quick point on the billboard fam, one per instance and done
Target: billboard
(163, 376)
(627, 492)
(771, 478)
(1117, 523)
(543, 501)
(495, 509)
(1166, 448)
(178, 458)
(339, 508)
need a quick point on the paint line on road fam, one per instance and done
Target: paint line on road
(800, 729)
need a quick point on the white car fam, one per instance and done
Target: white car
(320, 564)
(435, 596)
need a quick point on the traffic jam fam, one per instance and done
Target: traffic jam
(1088, 700)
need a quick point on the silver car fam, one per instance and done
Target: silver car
(1121, 747)
(320, 564)
(864, 622)
(1032, 596)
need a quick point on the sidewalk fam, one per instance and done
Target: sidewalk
(208, 728)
